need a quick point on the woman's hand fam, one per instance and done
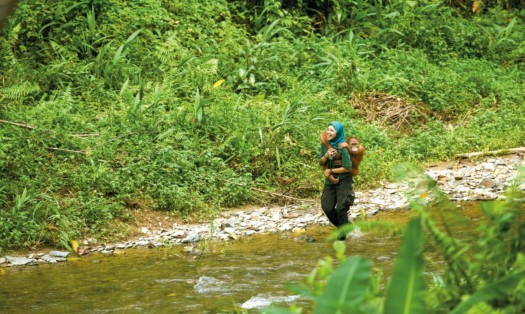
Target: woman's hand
(333, 179)
(328, 173)
(331, 153)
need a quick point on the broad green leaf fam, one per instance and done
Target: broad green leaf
(124, 86)
(406, 290)
(498, 289)
(276, 310)
(347, 287)
(198, 106)
(164, 134)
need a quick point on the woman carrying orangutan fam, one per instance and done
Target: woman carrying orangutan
(337, 196)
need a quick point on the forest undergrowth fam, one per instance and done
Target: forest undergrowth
(190, 107)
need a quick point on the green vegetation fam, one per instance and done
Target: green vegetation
(483, 272)
(109, 107)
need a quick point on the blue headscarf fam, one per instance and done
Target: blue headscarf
(339, 134)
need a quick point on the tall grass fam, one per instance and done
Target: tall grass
(190, 106)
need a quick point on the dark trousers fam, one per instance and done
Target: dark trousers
(333, 201)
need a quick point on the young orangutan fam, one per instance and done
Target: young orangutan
(357, 151)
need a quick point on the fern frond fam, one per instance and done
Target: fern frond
(170, 53)
(12, 37)
(60, 50)
(17, 92)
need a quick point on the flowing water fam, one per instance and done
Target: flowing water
(249, 273)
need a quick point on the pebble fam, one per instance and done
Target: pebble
(485, 181)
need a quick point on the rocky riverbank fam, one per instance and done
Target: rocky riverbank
(485, 179)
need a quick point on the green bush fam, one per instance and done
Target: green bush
(482, 273)
(19, 222)
(191, 106)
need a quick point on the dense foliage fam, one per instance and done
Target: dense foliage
(483, 271)
(109, 106)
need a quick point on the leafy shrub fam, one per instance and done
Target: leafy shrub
(19, 222)
(484, 274)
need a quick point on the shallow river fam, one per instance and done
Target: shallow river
(248, 273)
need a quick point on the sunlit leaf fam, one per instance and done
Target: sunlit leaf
(476, 6)
(218, 83)
(74, 246)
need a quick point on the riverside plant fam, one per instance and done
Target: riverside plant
(485, 274)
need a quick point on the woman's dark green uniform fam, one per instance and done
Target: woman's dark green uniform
(337, 198)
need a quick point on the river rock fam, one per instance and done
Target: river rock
(383, 258)
(230, 223)
(285, 227)
(19, 261)
(191, 238)
(229, 230)
(141, 243)
(49, 259)
(58, 254)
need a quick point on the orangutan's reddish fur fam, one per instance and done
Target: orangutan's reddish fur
(357, 151)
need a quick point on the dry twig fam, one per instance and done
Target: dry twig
(493, 152)
(27, 126)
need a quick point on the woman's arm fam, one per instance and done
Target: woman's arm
(324, 154)
(329, 172)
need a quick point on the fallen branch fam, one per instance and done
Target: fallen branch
(27, 126)
(273, 193)
(282, 195)
(67, 150)
(493, 152)
(85, 134)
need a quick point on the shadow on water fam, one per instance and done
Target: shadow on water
(251, 272)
